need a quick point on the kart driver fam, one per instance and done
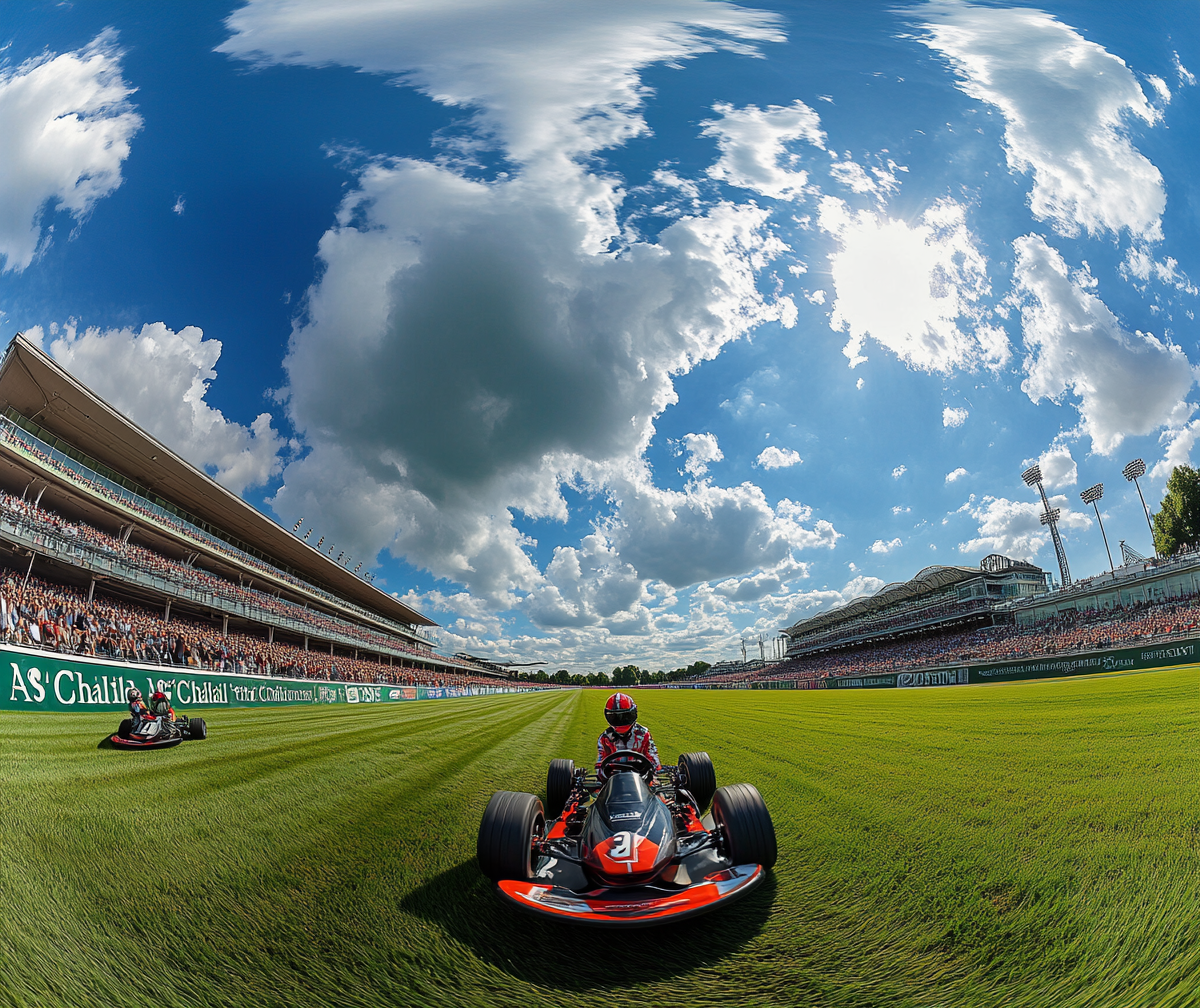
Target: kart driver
(160, 706)
(623, 731)
(137, 706)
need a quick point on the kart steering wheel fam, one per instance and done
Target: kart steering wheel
(624, 760)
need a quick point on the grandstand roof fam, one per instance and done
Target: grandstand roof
(929, 579)
(37, 387)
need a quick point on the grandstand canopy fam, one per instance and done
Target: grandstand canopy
(36, 387)
(926, 581)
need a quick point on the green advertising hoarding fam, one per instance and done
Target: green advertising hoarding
(47, 681)
(1138, 659)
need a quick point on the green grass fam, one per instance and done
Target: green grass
(1026, 845)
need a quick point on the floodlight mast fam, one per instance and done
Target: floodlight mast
(1131, 473)
(1049, 517)
(1090, 496)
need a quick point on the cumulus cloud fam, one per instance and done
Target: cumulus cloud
(913, 288)
(956, 474)
(545, 332)
(1014, 529)
(66, 123)
(1179, 442)
(1126, 383)
(772, 457)
(1058, 467)
(702, 450)
(879, 546)
(159, 378)
(1067, 103)
(753, 145)
(954, 416)
(899, 471)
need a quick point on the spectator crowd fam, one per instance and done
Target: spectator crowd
(1084, 630)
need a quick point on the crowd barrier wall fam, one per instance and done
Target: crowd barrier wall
(37, 680)
(1135, 659)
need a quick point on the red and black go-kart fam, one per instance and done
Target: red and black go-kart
(158, 732)
(629, 847)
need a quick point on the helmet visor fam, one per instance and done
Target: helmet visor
(621, 718)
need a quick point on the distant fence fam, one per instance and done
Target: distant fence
(1136, 659)
(46, 681)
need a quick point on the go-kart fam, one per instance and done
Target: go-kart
(627, 846)
(158, 732)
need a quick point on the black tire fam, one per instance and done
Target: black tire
(560, 779)
(197, 729)
(511, 823)
(125, 728)
(749, 833)
(697, 775)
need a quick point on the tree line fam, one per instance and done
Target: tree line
(626, 675)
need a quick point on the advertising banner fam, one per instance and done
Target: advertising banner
(36, 680)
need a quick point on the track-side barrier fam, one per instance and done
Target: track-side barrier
(1135, 659)
(46, 681)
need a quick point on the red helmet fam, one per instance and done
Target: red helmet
(159, 704)
(621, 712)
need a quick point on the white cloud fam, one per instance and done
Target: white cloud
(1160, 86)
(816, 297)
(1179, 443)
(881, 183)
(956, 474)
(1013, 528)
(545, 356)
(1126, 383)
(915, 289)
(900, 510)
(754, 155)
(899, 471)
(179, 206)
(1066, 103)
(1140, 264)
(954, 416)
(1186, 77)
(66, 125)
(859, 384)
(159, 378)
(702, 449)
(879, 546)
(777, 458)
(1058, 467)
(806, 604)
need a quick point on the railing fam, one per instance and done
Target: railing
(30, 445)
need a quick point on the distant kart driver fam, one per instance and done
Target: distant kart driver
(623, 731)
(160, 706)
(137, 706)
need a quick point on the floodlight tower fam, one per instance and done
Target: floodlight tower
(1131, 473)
(1090, 496)
(1049, 517)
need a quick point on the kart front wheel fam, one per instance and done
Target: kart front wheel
(560, 779)
(512, 823)
(746, 824)
(698, 777)
(125, 728)
(197, 729)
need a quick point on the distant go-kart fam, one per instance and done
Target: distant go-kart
(158, 732)
(628, 847)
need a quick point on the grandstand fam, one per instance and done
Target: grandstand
(936, 600)
(96, 513)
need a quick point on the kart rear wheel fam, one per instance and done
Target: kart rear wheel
(698, 777)
(560, 779)
(743, 817)
(125, 728)
(512, 823)
(197, 729)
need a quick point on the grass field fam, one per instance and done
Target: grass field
(1022, 845)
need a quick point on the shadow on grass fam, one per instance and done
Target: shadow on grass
(106, 742)
(575, 957)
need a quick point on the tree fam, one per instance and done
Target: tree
(627, 676)
(1178, 520)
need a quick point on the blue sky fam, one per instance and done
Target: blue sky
(616, 332)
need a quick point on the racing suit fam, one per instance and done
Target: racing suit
(638, 739)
